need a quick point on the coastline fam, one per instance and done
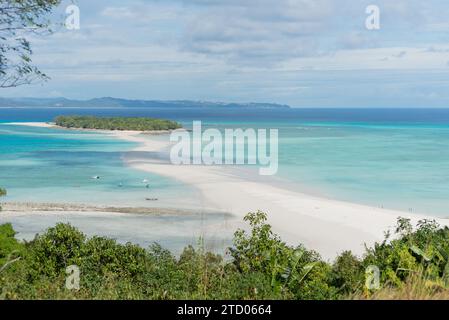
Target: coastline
(34, 207)
(52, 125)
(325, 225)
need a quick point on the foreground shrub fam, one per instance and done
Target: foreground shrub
(292, 270)
(412, 264)
(51, 253)
(424, 251)
(347, 273)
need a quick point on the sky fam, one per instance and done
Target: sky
(304, 53)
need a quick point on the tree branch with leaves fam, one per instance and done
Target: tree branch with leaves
(18, 20)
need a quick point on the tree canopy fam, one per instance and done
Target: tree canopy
(261, 266)
(116, 123)
(19, 19)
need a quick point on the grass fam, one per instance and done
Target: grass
(416, 287)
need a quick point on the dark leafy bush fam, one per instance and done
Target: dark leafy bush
(291, 269)
(261, 266)
(423, 251)
(347, 273)
(51, 253)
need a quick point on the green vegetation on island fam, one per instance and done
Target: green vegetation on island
(415, 265)
(116, 123)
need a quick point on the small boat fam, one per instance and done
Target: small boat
(151, 199)
(96, 177)
(145, 181)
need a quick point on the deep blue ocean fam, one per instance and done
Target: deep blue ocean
(370, 116)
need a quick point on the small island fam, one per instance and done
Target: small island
(116, 123)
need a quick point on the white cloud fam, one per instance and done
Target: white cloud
(142, 12)
(393, 58)
(266, 30)
(118, 12)
(301, 52)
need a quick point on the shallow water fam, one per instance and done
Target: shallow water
(395, 159)
(402, 167)
(210, 231)
(57, 166)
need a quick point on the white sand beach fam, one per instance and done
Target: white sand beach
(327, 226)
(32, 124)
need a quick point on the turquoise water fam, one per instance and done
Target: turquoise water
(403, 167)
(48, 165)
(395, 159)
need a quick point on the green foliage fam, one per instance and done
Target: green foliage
(347, 273)
(53, 251)
(261, 266)
(424, 251)
(291, 269)
(11, 252)
(116, 123)
(17, 19)
(10, 247)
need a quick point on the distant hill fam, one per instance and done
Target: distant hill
(124, 103)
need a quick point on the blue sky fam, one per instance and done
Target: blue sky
(305, 53)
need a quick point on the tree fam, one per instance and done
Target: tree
(19, 18)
